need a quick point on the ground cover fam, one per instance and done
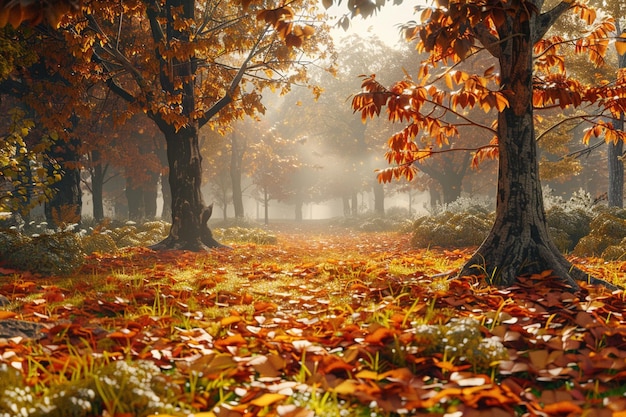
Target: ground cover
(325, 322)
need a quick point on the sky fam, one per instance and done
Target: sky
(384, 24)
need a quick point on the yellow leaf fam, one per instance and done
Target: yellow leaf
(226, 321)
(346, 387)
(267, 399)
(365, 374)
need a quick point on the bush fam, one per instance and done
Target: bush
(50, 254)
(606, 238)
(449, 229)
(567, 227)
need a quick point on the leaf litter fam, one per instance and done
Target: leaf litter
(328, 324)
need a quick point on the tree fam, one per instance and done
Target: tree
(616, 147)
(198, 64)
(41, 86)
(512, 31)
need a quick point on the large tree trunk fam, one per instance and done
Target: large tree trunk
(66, 203)
(519, 242)
(134, 199)
(189, 229)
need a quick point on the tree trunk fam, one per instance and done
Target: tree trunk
(354, 204)
(519, 242)
(266, 205)
(435, 197)
(615, 153)
(97, 188)
(189, 229)
(236, 158)
(616, 170)
(134, 199)
(346, 205)
(166, 193)
(150, 196)
(379, 198)
(66, 203)
(298, 210)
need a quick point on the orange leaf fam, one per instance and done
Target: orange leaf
(7, 314)
(235, 340)
(562, 407)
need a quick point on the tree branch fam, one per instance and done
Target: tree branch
(228, 97)
(490, 42)
(547, 19)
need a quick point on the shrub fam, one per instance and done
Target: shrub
(568, 226)
(606, 238)
(49, 254)
(99, 242)
(449, 229)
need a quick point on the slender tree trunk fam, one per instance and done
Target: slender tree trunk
(266, 205)
(150, 196)
(298, 210)
(519, 242)
(97, 188)
(346, 205)
(236, 158)
(354, 204)
(97, 173)
(379, 198)
(616, 170)
(616, 164)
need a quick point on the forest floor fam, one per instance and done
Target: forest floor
(326, 322)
